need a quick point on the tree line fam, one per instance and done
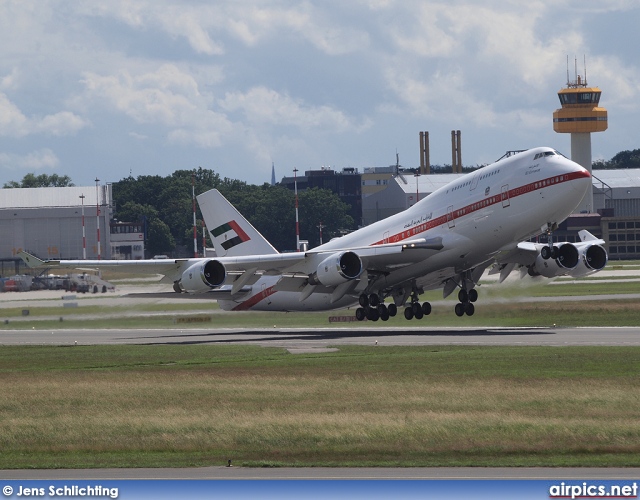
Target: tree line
(624, 159)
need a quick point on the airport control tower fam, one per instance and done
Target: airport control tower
(579, 116)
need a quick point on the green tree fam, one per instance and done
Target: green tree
(134, 212)
(159, 238)
(323, 206)
(43, 180)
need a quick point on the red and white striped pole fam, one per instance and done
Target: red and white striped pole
(295, 188)
(84, 237)
(195, 231)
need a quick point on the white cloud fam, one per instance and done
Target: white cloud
(36, 160)
(13, 123)
(265, 106)
(167, 97)
(60, 124)
(10, 81)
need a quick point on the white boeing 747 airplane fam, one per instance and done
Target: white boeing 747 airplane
(446, 240)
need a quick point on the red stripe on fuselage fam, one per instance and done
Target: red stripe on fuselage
(248, 304)
(479, 205)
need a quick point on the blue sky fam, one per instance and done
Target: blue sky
(104, 89)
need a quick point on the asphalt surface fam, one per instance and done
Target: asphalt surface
(343, 473)
(299, 340)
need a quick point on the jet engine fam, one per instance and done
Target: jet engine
(593, 258)
(566, 258)
(203, 276)
(336, 269)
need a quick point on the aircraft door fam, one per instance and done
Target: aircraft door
(450, 219)
(504, 195)
(385, 237)
(474, 181)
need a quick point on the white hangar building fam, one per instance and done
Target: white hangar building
(48, 222)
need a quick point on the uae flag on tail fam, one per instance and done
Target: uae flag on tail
(233, 234)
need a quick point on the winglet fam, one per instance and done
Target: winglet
(31, 260)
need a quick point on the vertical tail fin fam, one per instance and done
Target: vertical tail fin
(231, 233)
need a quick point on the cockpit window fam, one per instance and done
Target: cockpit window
(545, 153)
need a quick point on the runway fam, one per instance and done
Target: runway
(332, 473)
(300, 340)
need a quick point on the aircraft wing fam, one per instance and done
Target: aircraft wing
(171, 269)
(201, 275)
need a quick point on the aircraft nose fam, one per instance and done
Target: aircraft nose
(581, 178)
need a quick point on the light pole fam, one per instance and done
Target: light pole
(320, 226)
(417, 174)
(84, 238)
(295, 189)
(98, 217)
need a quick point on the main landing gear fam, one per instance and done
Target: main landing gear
(465, 306)
(416, 310)
(373, 309)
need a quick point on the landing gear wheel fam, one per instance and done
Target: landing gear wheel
(469, 309)
(408, 313)
(361, 314)
(549, 252)
(463, 296)
(473, 295)
(384, 313)
(426, 308)
(363, 300)
(459, 309)
(374, 299)
(418, 314)
(415, 307)
(393, 310)
(373, 314)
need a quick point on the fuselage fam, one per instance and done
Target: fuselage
(476, 216)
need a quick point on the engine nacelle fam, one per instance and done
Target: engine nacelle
(336, 269)
(203, 276)
(567, 259)
(593, 258)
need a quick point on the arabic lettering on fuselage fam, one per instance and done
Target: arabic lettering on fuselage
(421, 220)
(533, 169)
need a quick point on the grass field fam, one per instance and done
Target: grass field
(134, 406)
(150, 406)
